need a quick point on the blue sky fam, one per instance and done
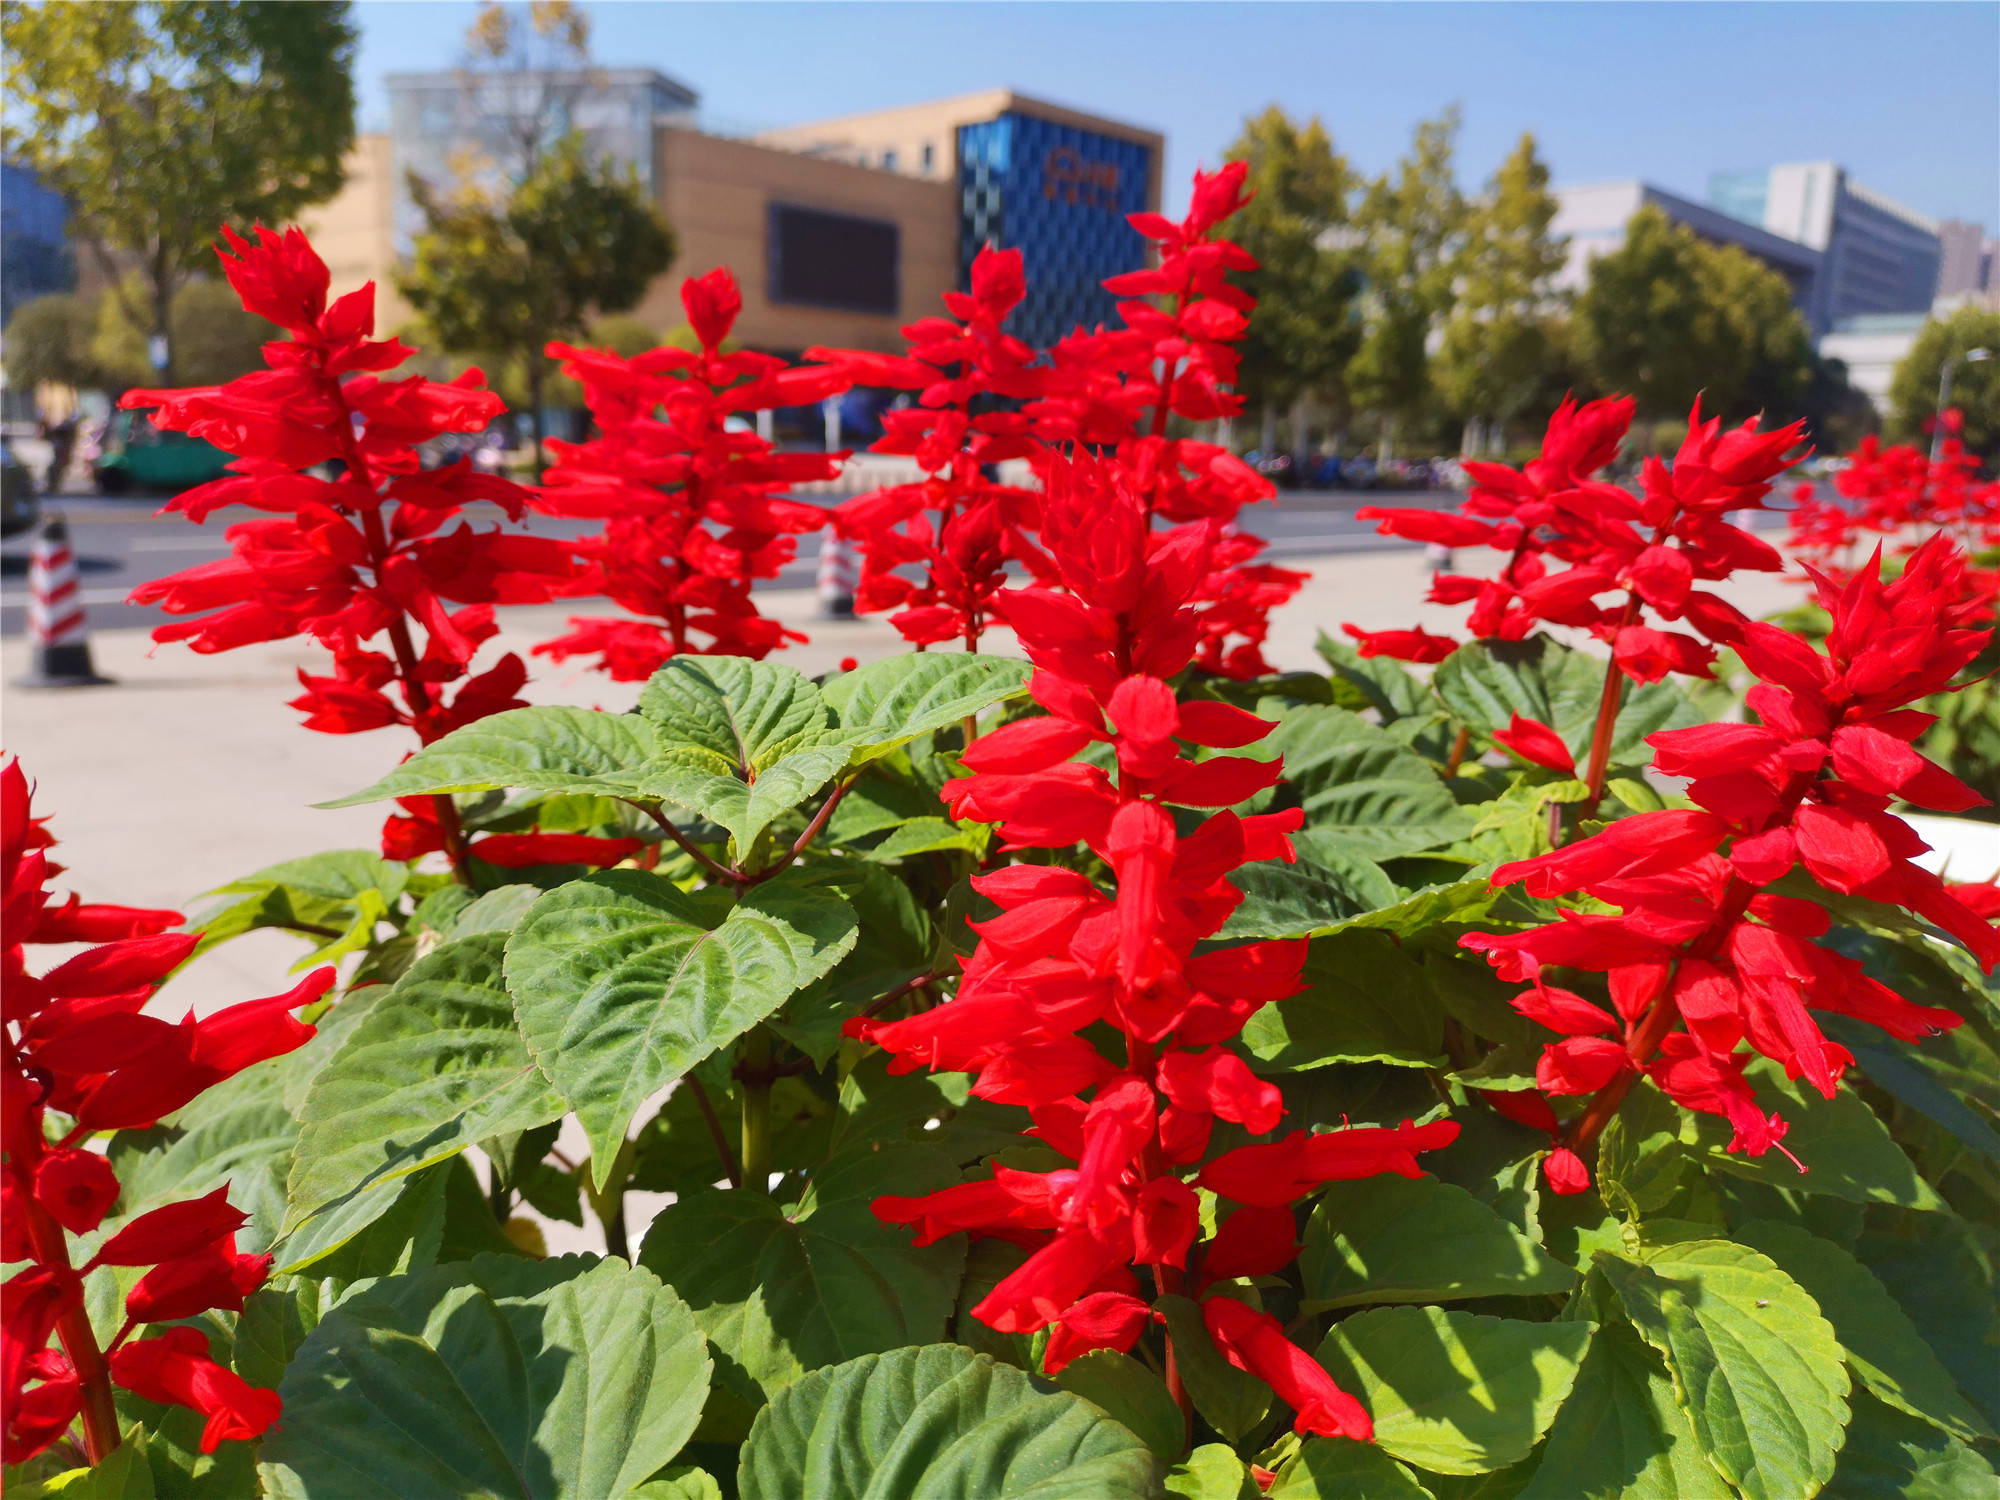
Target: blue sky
(1906, 96)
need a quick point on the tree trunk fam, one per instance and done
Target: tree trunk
(1468, 440)
(1386, 446)
(1299, 425)
(1268, 438)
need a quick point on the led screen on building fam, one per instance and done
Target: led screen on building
(821, 259)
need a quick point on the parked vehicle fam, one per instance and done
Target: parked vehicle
(137, 455)
(19, 510)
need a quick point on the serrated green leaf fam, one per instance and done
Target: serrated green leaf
(1455, 1391)
(1486, 682)
(1212, 1472)
(1356, 782)
(922, 835)
(1882, 1344)
(1367, 999)
(1619, 1436)
(891, 702)
(1754, 1364)
(1232, 1401)
(1890, 1456)
(1390, 687)
(125, 1474)
(744, 715)
(680, 1482)
(1330, 1469)
(497, 910)
(239, 1132)
(556, 1380)
(622, 986)
(1942, 1077)
(1395, 1239)
(939, 1423)
(746, 809)
(1942, 1276)
(1126, 1390)
(545, 749)
(1324, 886)
(1846, 1150)
(780, 1291)
(437, 1065)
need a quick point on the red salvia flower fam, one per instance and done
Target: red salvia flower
(1704, 958)
(74, 1042)
(692, 499)
(1116, 618)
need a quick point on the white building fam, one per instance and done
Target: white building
(1594, 217)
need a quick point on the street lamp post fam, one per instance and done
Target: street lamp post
(1970, 357)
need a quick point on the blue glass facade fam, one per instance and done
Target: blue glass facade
(1059, 194)
(35, 255)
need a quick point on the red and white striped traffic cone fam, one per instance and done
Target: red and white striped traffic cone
(837, 576)
(55, 615)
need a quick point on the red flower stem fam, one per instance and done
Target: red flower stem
(715, 1131)
(1459, 745)
(422, 709)
(812, 832)
(907, 987)
(716, 871)
(79, 1339)
(1608, 704)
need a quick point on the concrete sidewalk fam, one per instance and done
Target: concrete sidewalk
(190, 771)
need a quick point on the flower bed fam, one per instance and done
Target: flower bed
(1123, 1072)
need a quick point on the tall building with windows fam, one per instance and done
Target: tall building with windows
(36, 256)
(1876, 256)
(1971, 266)
(839, 232)
(1592, 220)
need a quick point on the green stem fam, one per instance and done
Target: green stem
(608, 1202)
(755, 1072)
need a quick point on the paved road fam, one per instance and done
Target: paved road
(121, 544)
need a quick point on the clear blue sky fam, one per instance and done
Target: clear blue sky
(1906, 96)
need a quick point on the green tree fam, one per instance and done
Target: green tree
(1303, 331)
(1975, 385)
(1411, 221)
(1502, 333)
(48, 342)
(575, 239)
(161, 122)
(1666, 317)
(214, 339)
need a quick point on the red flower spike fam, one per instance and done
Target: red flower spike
(77, 1041)
(1255, 1341)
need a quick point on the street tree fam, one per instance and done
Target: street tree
(159, 122)
(1502, 331)
(1975, 384)
(576, 239)
(1304, 330)
(1410, 222)
(214, 338)
(48, 342)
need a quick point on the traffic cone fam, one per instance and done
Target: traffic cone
(836, 576)
(55, 615)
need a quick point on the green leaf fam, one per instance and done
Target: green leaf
(276, 1320)
(1942, 1276)
(743, 808)
(547, 749)
(125, 1474)
(1395, 1239)
(1326, 884)
(1754, 1365)
(681, 1482)
(1367, 1000)
(497, 910)
(491, 1377)
(436, 1066)
(1619, 1436)
(1486, 682)
(395, 1225)
(1133, 1394)
(622, 985)
(238, 1132)
(1939, 1077)
(1212, 1472)
(1889, 1456)
(1356, 782)
(1327, 1469)
(1392, 689)
(783, 1290)
(1882, 1344)
(1454, 1391)
(1844, 1146)
(922, 835)
(1232, 1401)
(938, 1423)
(335, 899)
(744, 715)
(891, 702)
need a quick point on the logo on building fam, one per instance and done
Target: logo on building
(1068, 176)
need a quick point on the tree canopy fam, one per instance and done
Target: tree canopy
(160, 122)
(1975, 386)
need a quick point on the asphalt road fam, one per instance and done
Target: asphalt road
(120, 544)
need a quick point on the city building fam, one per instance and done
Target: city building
(1593, 218)
(839, 232)
(1871, 345)
(1970, 269)
(1875, 255)
(36, 257)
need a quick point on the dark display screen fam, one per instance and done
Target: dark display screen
(834, 260)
